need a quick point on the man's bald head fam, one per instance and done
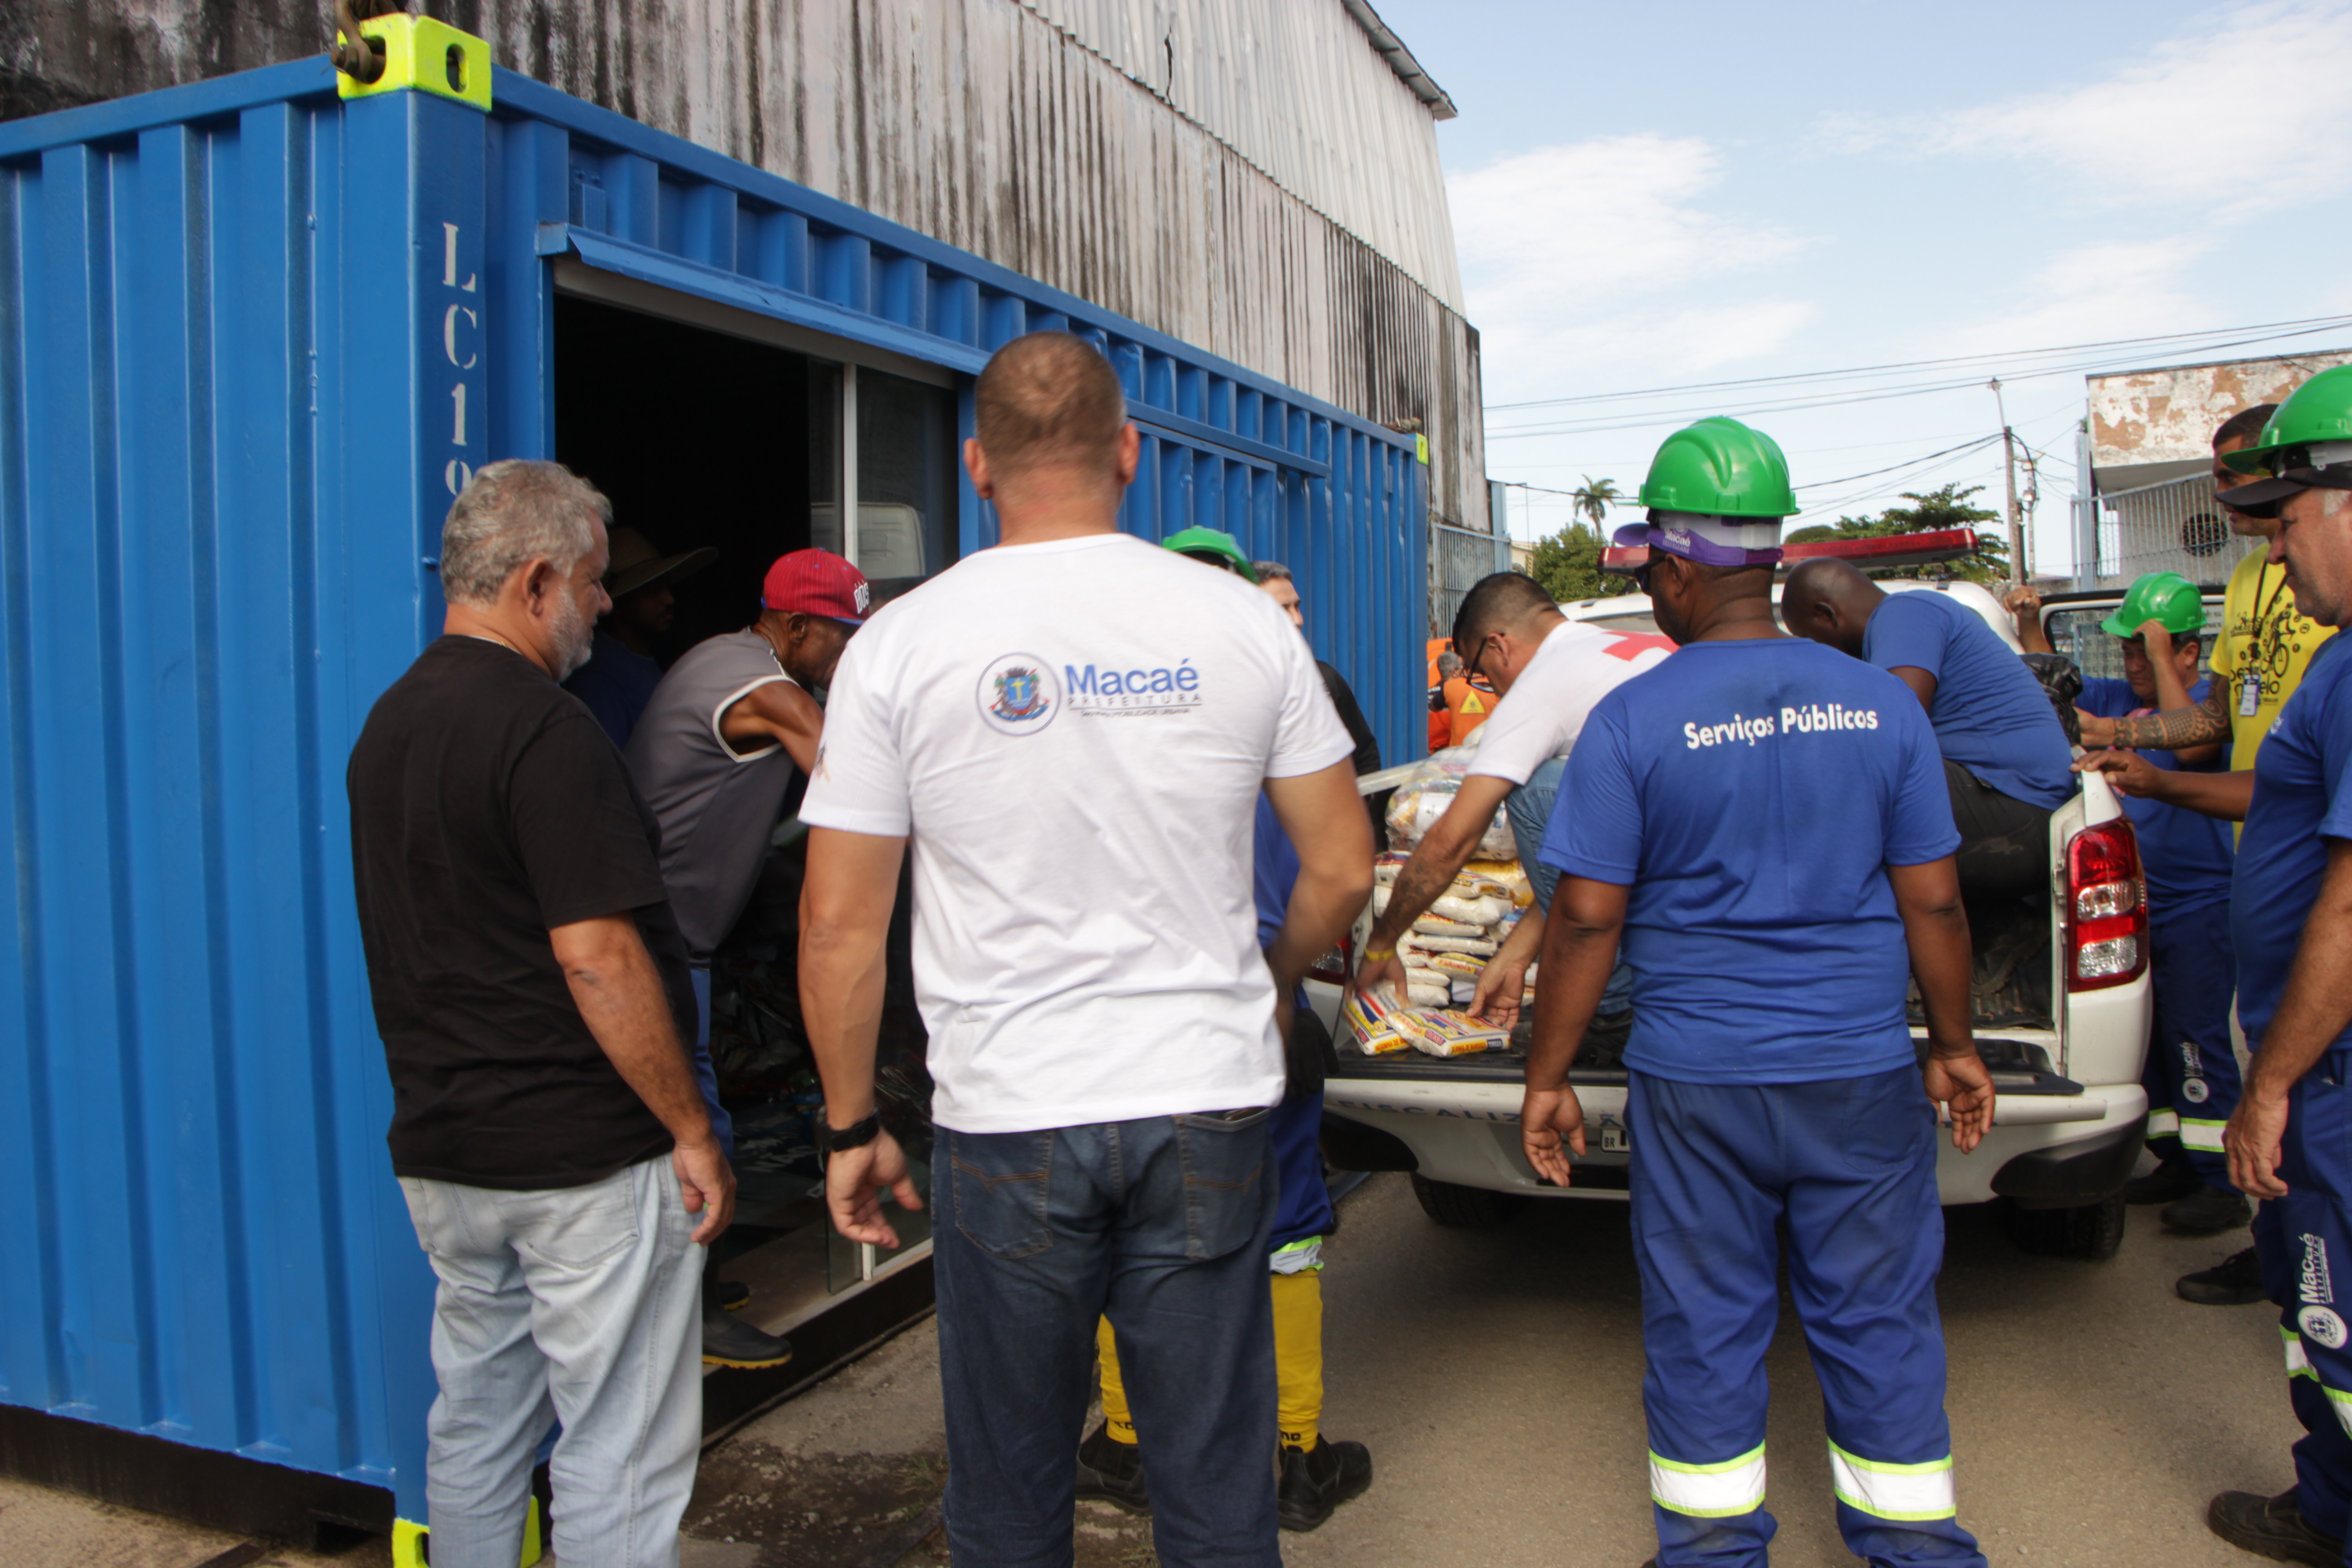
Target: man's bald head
(1831, 603)
(1049, 401)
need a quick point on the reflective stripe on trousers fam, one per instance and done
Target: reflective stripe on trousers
(2298, 1360)
(1709, 1492)
(1893, 1491)
(2163, 1124)
(2197, 1133)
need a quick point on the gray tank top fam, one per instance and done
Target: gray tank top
(716, 806)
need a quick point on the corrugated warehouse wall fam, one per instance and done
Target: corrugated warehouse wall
(1250, 177)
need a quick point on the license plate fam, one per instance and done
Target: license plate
(1614, 1141)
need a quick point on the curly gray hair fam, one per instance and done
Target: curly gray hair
(512, 511)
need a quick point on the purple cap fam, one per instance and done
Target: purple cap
(1710, 541)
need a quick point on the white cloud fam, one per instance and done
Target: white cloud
(2088, 293)
(2246, 113)
(1580, 254)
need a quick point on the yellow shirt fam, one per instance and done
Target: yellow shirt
(2263, 636)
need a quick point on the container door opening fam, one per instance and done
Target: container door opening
(702, 439)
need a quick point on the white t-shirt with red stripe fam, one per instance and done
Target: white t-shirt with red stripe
(1545, 711)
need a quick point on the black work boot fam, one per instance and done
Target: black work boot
(2207, 1211)
(2272, 1527)
(2169, 1182)
(2235, 1281)
(1316, 1481)
(1111, 1471)
(729, 1341)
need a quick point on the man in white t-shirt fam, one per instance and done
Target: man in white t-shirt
(1073, 727)
(1549, 671)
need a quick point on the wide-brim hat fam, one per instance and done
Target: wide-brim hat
(638, 562)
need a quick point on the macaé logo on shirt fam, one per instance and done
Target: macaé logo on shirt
(1810, 719)
(1018, 695)
(1108, 690)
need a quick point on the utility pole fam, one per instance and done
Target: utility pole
(2020, 569)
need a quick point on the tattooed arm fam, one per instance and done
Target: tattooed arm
(2202, 725)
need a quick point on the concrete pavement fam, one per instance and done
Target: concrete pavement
(1497, 1376)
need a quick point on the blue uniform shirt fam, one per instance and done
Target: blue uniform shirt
(1990, 714)
(2187, 855)
(1752, 794)
(2299, 801)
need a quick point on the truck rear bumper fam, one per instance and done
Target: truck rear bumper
(2045, 1150)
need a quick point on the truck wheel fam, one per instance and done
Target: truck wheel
(1464, 1208)
(2092, 1232)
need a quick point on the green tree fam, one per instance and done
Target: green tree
(1940, 508)
(1594, 498)
(1568, 565)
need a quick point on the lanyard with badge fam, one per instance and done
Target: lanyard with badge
(2249, 686)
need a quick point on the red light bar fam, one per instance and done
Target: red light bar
(1894, 549)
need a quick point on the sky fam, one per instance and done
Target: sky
(1648, 197)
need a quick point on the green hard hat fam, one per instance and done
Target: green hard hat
(1214, 542)
(1720, 467)
(2167, 598)
(2316, 414)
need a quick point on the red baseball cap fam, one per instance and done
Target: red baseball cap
(817, 582)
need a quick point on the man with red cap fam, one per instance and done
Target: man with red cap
(714, 755)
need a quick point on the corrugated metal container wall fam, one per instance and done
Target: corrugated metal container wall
(202, 588)
(249, 337)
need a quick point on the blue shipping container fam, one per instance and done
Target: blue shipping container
(254, 334)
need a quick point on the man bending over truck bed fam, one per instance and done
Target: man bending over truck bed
(2005, 760)
(1550, 671)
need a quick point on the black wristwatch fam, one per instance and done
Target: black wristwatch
(857, 1135)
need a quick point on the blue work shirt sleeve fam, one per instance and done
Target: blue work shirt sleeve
(1919, 826)
(2333, 722)
(1600, 806)
(1907, 630)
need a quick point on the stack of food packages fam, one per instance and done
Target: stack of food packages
(1449, 944)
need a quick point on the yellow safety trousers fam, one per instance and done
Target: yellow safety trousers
(1297, 1362)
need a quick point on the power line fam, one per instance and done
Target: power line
(2283, 328)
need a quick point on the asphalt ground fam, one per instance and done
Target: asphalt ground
(1495, 1375)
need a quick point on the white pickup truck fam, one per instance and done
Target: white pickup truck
(2062, 1010)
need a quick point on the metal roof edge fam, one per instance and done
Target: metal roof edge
(514, 95)
(1391, 49)
(217, 96)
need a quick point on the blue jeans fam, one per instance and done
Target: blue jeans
(1529, 808)
(578, 1302)
(1159, 1224)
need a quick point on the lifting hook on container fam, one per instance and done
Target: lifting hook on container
(357, 56)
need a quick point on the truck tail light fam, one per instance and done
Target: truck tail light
(2107, 908)
(1335, 967)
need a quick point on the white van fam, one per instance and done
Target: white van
(2062, 1006)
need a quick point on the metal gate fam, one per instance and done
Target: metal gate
(2175, 526)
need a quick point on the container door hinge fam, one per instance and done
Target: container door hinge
(421, 53)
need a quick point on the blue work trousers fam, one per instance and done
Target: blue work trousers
(1161, 1225)
(2192, 1069)
(2304, 1238)
(1849, 1167)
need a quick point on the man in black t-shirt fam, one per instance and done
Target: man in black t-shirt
(532, 989)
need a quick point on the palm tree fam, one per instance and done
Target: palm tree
(1594, 499)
